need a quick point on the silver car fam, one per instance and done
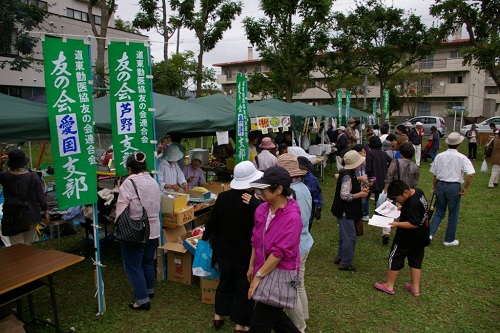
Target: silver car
(428, 122)
(482, 127)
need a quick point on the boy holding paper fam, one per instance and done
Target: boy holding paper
(412, 236)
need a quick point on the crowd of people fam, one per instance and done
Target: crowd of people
(259, 230)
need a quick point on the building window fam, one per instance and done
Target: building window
(423, 109)
(427, 62)
(425, 86)
(41, 4)
(455, 54)
(229, 75)
(81, 16)
(258, 69)
(492, 90)
(243, 70)
(455, 79)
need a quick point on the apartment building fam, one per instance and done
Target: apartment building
(450, 84)
(66, 17)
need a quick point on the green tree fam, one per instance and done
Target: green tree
(107, 7)
(413, 85)
(176, 77)
(124, 25)
(387, 39)
(288, 39)
(17, 19)
(154, 15)
(209, 20)
(482, 21)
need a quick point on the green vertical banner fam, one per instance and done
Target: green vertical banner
(71, 119)
(347, 106)
(130, 103)
(386, 104)
(339, 106)
(241, 118)
(374, 110)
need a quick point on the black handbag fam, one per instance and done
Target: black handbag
(130, 230)
(14, 220)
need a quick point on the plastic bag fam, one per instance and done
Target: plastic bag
(484, 166)
(381, 199)
(202, 263)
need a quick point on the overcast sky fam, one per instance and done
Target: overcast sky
(234, 45)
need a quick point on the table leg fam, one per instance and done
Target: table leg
(54, 303)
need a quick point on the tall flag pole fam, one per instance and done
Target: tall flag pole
(68, 85)
(241, 118)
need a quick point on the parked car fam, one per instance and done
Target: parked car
(482, 127)
(428, 122)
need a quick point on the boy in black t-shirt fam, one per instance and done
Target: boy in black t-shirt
(412, 236)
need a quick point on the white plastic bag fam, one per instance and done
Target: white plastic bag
(484, 166)
(381, 199)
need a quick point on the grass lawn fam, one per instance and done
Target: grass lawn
(458, 283)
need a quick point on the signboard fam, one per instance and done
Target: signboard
(347, 106)
(374, 110)
(242, 118)
(386, 104)
(130, 103)
(339, 105)
(69, 104)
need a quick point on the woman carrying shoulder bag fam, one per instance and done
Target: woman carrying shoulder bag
(275, 259)
(22, 190)
(137, 191)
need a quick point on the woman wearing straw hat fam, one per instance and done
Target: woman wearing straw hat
(347, 208)
(170, 174)
(229, 230)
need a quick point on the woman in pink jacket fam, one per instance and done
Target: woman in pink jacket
(275, 245)
(138, 258)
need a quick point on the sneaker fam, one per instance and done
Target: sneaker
(385, 239)
(336, 261)
(408, 289)
(365, 218)
(348, 268)
(383, 287)
(430, 237)
(454, 243)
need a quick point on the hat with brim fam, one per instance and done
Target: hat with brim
(473, 126)
(418, 123)
(275, 175)
(267, 143)
(352, 120)
(342, 128)
(454, 139)
(17, 159)
(244, 173)
(352, 159)
(173, 153)
(291, 164)
(305, 164)
(197, 156)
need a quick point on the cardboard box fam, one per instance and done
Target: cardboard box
(208, 289)
(179, 260)
(199, 195)
(216, 187)
(172, 202)
(189, 245)
(178, 218)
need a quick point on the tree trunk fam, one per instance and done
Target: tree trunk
(166, 37)
(199, 71)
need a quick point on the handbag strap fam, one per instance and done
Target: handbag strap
(135, 188)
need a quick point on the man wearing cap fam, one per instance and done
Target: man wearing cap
(266, 158)
(415, 136)
(300, 313)
(193, 173)
(448, 168)
(352, 133)
(340, 146)
(170, 174)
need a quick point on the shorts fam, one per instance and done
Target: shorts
(398, 254)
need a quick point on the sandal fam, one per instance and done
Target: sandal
(383, 287)
(408, 289)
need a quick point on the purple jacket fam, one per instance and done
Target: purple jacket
(282, 237)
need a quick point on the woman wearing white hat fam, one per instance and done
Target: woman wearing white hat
(193, 173)
(347, 208)
(170, 174)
